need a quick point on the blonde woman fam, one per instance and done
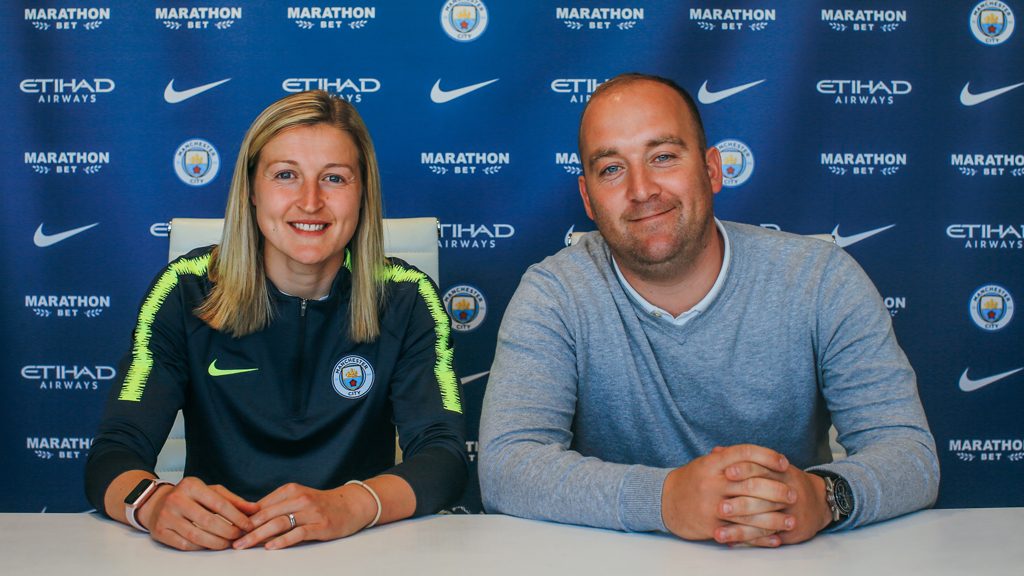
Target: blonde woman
(294, 349)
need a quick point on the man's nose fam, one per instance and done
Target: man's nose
(642, 185)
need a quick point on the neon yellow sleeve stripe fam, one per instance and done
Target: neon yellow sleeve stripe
(447, 381)
(142, 356)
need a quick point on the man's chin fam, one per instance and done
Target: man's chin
(652, 254)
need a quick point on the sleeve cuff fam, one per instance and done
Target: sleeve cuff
(436, 476)
(640, 499)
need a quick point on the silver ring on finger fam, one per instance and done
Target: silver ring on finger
(291, 520)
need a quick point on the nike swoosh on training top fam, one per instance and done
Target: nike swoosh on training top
(708, 97)
(173, 96)
(844, 241)
(214, 371)
(439, 96)
(968, 385)
(472, 377)
(43, 240)
(968, 99)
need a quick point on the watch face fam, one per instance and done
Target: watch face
(138, 491)
(844, 497)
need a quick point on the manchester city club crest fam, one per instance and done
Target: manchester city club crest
(466, 306)
(352, 377)
(992, 22)
(196, 162)
(991, 307)
(737, 162)
(464, 20)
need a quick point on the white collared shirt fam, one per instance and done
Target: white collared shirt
(699, 307)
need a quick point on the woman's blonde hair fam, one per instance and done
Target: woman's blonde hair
(239, 303)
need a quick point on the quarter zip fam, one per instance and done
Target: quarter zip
(300, 393)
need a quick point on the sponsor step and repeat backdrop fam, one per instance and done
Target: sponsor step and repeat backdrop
(896, 126)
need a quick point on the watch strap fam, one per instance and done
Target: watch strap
(132, 508)
(838, 495)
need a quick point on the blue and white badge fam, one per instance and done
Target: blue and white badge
(196, 162)
(991, 307)
(352, 377)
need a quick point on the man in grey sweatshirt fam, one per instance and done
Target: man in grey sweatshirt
(679, 373)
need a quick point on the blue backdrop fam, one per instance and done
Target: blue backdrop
(897, 125)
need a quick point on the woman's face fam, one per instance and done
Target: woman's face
(306, 190)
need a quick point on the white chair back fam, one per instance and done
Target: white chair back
(411, 239)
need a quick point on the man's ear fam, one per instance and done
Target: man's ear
(713, 162)
(582, 182)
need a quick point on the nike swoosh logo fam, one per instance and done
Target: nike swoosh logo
(844, 241)
(43, 240)
(439, 96)
(968, 99)
(173, 96)
(968, 385)
(472, 377)
(214, 371)
(708, 97)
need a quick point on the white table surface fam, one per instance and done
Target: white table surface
(935, 542)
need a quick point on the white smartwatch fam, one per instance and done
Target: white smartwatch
(138, 496)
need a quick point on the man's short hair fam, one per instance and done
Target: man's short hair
(628, 78)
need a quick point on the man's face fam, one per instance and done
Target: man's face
(646, 183)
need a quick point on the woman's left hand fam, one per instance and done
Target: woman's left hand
(294, 513)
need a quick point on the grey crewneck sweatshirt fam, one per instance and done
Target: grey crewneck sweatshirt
(591, 402)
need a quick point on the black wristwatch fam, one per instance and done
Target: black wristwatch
(838, 495)
(138, 496)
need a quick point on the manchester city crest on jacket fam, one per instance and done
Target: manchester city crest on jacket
(352, 377)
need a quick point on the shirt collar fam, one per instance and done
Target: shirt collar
(699, 307)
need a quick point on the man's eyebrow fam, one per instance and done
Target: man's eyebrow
(601, 153)
(652, 143)
(666, 140)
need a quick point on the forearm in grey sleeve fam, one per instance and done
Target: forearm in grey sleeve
(526, 467)
(871, 391)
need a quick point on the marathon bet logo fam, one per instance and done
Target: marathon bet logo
(63, 448)
(987, 450)
(67, 162)
(988, 164)
(331, 17)
(863, 20)
(482, 236)
(623, 18)
(199, 17)
(64, 377)
(67, 305)
(895, 304)
(441, 163)
(988, 236)
(570, 162)
(351, 89)
(856, 92)
(67, 18)
(863, 163)
(67, 90)
(579, 89)
(732, 18)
